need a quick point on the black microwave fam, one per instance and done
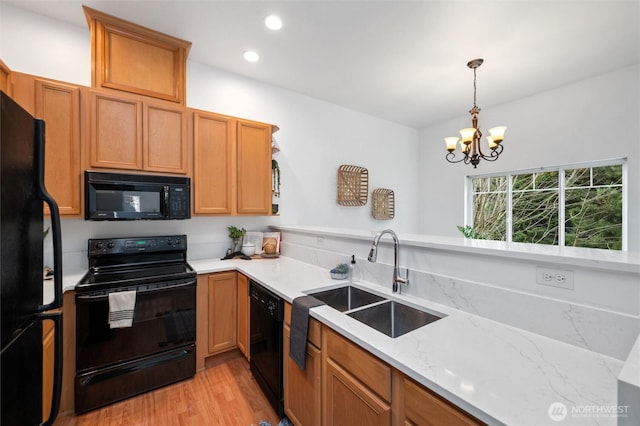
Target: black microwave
(117, 196)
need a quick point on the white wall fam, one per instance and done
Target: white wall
(589, 120)
(315, 138)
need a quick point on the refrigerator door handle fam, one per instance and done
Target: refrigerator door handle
(56, 233)
(56, 317)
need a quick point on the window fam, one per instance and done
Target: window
(578, 205)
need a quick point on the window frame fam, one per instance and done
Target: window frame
(508, 175)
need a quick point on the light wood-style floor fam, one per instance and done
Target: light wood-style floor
(224, 394)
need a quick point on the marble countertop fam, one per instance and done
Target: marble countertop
(499, 373)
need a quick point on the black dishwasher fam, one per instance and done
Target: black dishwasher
(266, 316)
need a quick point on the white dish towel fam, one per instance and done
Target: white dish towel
(121, 307)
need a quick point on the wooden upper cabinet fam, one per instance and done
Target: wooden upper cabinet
(128, 57)
(253, 168)
(214, 186)
(116, 132)
(131, 134)
(166, 144)
(232, 165)
(59, 106)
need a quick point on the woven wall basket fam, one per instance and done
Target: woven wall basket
(383, 204)
(353, 185)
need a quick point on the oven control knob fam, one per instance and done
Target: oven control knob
(110, 245)
(99, 246)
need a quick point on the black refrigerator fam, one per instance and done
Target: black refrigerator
(21, 274)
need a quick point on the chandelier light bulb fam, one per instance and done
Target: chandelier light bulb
(492, 145)
(467, 135)
(451, 142)
(497, 133)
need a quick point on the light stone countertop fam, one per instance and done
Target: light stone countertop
(498, 373)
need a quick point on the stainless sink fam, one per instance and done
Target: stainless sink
(392, 318)
(347, 298)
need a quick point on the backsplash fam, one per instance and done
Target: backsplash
(597, 326)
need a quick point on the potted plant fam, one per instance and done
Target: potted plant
(275, 183)
(236, 235)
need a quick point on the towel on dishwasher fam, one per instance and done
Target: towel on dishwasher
(300, 327)
(121, 307)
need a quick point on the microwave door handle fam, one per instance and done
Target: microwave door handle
(164, 202)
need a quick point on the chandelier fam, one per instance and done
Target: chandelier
(471, 136)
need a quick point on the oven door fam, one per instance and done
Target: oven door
(164, 319)
(126, 201)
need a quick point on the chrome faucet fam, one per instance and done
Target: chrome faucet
(373, 255)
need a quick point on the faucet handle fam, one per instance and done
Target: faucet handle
(403, 280)
(400, 280)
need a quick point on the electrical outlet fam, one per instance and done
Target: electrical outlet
(554, 277)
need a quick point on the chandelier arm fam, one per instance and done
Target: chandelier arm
(451, 155)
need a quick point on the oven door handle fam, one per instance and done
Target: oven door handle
(90, 298)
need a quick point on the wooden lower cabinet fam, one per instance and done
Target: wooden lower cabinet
(48, 352)
(222, 315)
(243, 315)
(359, 388)
(302, 389)
(5, 79)
(349, 402)
(356, 385)
(413, 404)
(222, 312)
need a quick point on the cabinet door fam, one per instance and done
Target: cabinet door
(348, 402)
(243, 315)
(165, 139)
(254, 168)
(214, 157)
(302, 389)
(47, 366)
(116, 132)
(5, 78)
(222, 311)
(59, 106)
(415, 405)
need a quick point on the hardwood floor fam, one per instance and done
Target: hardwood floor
(224, 394)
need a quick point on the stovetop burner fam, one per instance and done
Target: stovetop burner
(123, 262)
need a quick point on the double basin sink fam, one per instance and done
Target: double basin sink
(387, 316)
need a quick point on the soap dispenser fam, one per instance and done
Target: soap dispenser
(354, 272)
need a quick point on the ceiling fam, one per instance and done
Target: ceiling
(404, 61)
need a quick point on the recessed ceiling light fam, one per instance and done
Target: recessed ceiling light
(251, 56)
(273, 22)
